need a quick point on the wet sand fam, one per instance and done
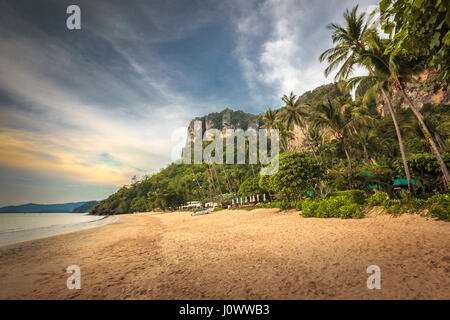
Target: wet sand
(261, 254)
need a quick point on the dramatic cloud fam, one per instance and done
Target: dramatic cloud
(83, 111)
(279, 43)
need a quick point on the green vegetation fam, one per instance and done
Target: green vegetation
(332, 207)
(437, 206)
(349, 152)
(379, 198)
(355, 196)
(249, 188)
(297, 173)
(419, 28)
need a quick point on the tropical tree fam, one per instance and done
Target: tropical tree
(298, 173)
(396, 71)
(367, 139)
(419, 28)
(294, 113)
(348, 52)
(285, 135)
(340, 118)
(249, 187)
(400, 71)
(269, 119)
(317, 139)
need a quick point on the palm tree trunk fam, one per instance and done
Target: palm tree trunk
(399, 137)
(440, 142)
(429, 139)
(211, 178)
(253, 170)
(217, 178)
(309, 143)
(350, 170)
(198, 184)
(399, 134)
(228, 180)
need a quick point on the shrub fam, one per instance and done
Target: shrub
(406, 205)
(309, 207)
(338, 207)
(439, 206)
(378, 199)
(356, 196)
(282, 204)
(350, 211)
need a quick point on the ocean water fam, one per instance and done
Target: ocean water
(18, 227)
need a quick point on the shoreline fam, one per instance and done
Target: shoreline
(27, 234)
(232, 254)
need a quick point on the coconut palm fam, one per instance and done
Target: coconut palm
(317, 138)
(397, 71)
(285, 135)
(348, 52)
(367, 139)
(400, 74)
(438, 125)
(269, 118)
(294, 113)
(349, 41)
(339, 118)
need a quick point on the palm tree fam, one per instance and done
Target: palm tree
(367, 139)
(339, 118)
(269, 118)
(294, 113)
(397, 71)
(317, 139)
(400, 73)
(438, 124)
(349, 51)
(285, 135)
(349, 41)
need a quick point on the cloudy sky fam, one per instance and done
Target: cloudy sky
(82, 111)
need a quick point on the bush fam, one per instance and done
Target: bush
(356, 196)
(309, 207)
(282, 204)
(351, 210)
(378, 199)
(439, 206)
(406, 205)
(338, 207)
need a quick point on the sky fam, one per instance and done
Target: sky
(83, 111)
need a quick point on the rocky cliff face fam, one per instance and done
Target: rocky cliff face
(319, 95)
(227, 119)
(417, 94)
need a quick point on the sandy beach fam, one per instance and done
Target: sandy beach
(261, 254)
